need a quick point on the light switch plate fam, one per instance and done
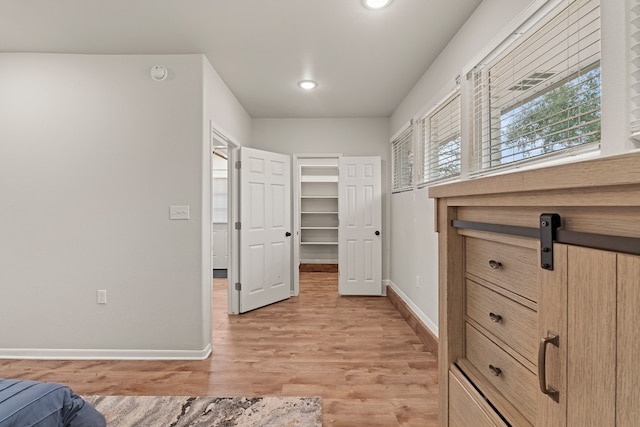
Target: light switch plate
(178, 212)
(102, 296)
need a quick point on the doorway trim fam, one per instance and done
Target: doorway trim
(297, 161)
(218, 138)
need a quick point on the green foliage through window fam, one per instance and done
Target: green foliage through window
(565, 116)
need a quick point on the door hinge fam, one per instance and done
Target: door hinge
(238, 225)
(238, 286)
(238, 164)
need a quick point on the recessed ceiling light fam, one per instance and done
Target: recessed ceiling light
(307, 84)
(376, 4)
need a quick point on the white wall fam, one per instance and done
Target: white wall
(414, 243)
(489, 18)
(222, 107)
(222, 111)
(349, 136)
(92, 154)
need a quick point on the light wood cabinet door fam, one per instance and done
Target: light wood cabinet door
(628, 342)
(552, 317)
(591, 335)
(580, 299)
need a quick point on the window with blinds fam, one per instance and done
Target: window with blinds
(402, 161)
(540, 96)
(634, 58)
(440, 137)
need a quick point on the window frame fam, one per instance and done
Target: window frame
(487, 129)
(428, 147)
(402, 145)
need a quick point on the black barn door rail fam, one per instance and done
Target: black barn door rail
(549, 232)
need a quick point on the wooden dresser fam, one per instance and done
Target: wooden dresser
(540, 296)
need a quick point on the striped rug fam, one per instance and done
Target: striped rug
(181, 411)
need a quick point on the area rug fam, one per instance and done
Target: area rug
(181, 411)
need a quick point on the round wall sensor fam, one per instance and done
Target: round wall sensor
(159, 73)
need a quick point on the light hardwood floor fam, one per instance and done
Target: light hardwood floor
(357, 353)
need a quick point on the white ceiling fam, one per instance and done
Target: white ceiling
(364, 61)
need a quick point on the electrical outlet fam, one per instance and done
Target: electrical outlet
(417, 280)
(102, 296)
(179, 212)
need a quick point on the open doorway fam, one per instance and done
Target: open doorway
(219, 211)
(224, 212)
(256, 223)
(261, 214)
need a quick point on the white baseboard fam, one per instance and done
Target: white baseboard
(419, 313)
(102, 354)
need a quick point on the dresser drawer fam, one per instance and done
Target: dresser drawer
(516, 383)
(511, 322)
(467, 408)
(511, 267)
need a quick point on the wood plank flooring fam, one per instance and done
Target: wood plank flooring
(357, 353)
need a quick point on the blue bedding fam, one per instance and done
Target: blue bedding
(32, 403)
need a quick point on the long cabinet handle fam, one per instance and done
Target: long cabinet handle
(552, 338)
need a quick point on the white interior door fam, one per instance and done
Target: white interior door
(265, 238)
(360, 233)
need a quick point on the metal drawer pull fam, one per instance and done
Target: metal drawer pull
(495, 370)
(495, 264)
(552, 338)
(495, 317)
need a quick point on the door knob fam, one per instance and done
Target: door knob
(287, 234)
(377, 233)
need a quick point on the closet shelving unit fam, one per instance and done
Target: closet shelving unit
(318, 208)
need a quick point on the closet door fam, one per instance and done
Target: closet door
(360, 232)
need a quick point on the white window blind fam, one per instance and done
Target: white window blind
(402, 160)
(541, 95)
(440, 132)
(634, 58)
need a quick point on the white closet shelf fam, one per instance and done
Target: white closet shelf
(319, 197)
(318, 261)
(319, 212)
(318, 243)
(318, 178)
(318, 228)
